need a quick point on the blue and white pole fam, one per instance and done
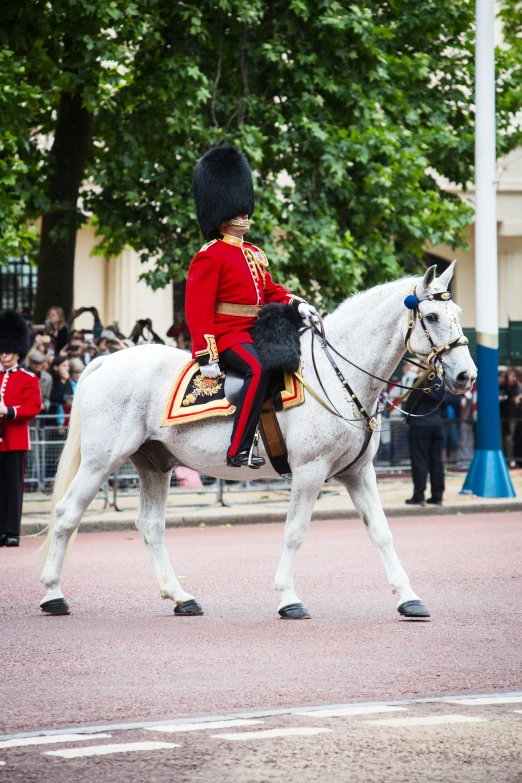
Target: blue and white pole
(488, 475)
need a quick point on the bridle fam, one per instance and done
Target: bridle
(434, 356)
(433, 371)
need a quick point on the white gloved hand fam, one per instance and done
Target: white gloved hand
(307, 311)
(211, 370)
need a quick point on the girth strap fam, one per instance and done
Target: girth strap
(274, 441)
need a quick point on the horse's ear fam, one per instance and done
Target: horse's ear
(429, 277)
(445, 278)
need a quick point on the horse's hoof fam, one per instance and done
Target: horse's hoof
(413, 609)
(188, 608)
(294, 612)
(56, 606)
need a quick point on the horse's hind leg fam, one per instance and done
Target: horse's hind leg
(154, 489)
(362, 487)
(69, 512)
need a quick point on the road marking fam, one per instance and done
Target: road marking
(2, 763)
(432, 720)
(21, 743)
(484, 701)
(105, 750)
(343, 711)
(255, 713)
(216, 724)
(306, 731)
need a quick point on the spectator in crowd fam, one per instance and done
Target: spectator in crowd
(35, 362)
(75, 348)
(56, 327)
(40, 343)
(62, 391)
(109, 342)
(179, 331)
(511, 411)
(466, 447)
(97, 325)
(426, 441)
(76, 367)
(143, 333)
(450, 416)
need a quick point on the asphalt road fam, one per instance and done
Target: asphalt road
(122, 656)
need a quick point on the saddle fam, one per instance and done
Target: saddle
(193, 397)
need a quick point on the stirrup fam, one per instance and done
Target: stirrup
(245, 459)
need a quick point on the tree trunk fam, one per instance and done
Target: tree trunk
(61, 221)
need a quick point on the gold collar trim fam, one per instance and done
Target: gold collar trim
(230, 240)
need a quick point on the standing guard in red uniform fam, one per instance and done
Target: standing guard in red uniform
(228, 283)
(20, 401)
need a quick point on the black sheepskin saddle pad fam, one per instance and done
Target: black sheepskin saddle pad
(276, 337)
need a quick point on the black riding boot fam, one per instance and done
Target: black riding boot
(241, 459)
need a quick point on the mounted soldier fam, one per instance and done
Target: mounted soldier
(228, 284)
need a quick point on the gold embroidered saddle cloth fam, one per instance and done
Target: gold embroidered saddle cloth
(194, 397)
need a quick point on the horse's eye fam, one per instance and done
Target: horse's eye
(432, 318)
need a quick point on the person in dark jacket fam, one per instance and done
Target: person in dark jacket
(426, 441)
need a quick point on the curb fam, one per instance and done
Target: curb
(246, 516)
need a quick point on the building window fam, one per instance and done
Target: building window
(18, 286)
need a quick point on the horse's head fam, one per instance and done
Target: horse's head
(436, 335)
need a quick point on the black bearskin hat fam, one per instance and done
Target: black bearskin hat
(223, 188)
(14, 334)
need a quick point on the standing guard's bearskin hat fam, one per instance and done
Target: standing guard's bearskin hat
(223, 188)
(14, 334)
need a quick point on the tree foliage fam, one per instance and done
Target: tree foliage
(350, 115)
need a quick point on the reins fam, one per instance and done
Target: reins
(372, 420)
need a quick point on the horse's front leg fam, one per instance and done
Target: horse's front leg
(154, 490)
(362, 487)
(306, 485)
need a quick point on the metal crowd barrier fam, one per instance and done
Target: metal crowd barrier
(48, 434)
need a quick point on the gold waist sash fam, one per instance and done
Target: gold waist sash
(230, 308)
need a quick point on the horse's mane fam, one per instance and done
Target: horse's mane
(377, 294)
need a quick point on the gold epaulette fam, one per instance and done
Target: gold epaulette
(208, 244)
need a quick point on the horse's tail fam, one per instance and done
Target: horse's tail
(70, 459)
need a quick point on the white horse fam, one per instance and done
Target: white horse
(118, 408)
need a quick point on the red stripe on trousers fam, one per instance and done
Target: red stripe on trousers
(251, 393)
(22, 484)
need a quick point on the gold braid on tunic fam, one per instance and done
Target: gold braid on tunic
(257, 262)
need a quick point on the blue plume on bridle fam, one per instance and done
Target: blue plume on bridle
(411, 302)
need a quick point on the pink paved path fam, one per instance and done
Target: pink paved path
(123, 655)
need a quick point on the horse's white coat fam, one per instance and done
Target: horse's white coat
(120, 399)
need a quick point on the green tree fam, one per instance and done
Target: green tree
(16, 237)
(349, 114)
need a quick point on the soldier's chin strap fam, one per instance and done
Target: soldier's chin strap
(239, 223)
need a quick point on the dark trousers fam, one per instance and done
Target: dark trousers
(244, 359)
(426, 445)
(12, 469)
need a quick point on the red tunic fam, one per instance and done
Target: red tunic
(233, 271)
(20, 392)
